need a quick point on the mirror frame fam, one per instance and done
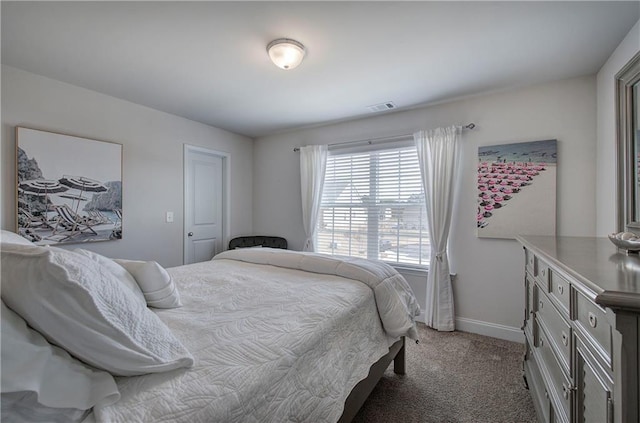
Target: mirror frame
(627, 179)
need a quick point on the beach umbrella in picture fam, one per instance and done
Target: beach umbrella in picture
(42, 187)
(82, 184)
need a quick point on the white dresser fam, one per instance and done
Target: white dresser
(582, 329)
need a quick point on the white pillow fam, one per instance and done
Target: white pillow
(30, 363)
(14, 238)
(69, 299)
(117, 270)
(156, 283)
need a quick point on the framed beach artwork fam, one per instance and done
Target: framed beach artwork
(69, 189)
(516, 189)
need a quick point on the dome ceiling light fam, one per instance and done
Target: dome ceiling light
(286, 53)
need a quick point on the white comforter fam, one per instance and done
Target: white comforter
(394, 298)
(271, 344)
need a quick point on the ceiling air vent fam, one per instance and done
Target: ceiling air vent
(382, 106)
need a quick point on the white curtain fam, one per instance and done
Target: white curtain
(313, 163)
(438, 152)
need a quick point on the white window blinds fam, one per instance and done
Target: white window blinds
(373, 207)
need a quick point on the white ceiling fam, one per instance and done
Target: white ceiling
(207, 61)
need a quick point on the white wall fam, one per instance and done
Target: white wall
(488, 289)
(152, 159)
(606, 139)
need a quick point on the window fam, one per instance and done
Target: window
(373, 207)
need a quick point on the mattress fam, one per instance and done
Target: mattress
(270, 343)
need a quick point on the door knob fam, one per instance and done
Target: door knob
(190, 234)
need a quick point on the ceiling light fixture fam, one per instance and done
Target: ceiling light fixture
(286, 53)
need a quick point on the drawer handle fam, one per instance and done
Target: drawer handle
(541, 342)
(565, 339)
(544, 272)
(565, 391)
(593, 320)
(560, 289)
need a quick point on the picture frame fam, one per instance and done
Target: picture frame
(516, 189)
(68, 188)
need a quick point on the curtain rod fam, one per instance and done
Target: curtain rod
(373, 140)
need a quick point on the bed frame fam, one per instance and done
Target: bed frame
(361, 391)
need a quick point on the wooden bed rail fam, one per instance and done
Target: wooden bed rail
(361, 391)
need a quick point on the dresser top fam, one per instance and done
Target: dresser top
(613, 276)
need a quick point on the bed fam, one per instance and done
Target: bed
(274, 335)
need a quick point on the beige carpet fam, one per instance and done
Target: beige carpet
(453, 377)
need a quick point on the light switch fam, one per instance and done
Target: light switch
(169, 217)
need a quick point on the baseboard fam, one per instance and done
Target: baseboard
(493, 330)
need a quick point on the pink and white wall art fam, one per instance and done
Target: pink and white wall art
(517, 189)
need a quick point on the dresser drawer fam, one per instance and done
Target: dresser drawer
(558, 330)
(531, 262)
(560, 291)
(542, 276)
(559, 385)
(559, 417)
(592, 321)
(594, 387)
(536, 386)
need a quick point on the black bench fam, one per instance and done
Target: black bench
(255, 241)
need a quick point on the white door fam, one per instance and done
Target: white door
(204, 204)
